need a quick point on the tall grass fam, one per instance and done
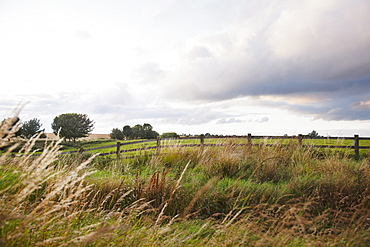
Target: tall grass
(281, 195)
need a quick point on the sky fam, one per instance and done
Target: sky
(231, 67)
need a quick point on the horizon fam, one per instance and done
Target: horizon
(103, 134)
(218, 67)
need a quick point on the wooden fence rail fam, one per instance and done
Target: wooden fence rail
(158, 146)
(356, 144)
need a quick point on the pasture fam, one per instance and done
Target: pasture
(105, 146)
(213, 195)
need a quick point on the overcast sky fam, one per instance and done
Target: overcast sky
(224, 67)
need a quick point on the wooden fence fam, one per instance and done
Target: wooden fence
(158, 143)
(356, 143)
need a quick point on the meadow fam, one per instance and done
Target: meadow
(281, 195)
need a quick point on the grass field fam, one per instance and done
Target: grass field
(99, 144)
(207, 141)
(281, 195)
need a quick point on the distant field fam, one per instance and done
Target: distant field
(103, 143)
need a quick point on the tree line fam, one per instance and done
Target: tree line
(144, 131)
(28, 128)
(72, 126)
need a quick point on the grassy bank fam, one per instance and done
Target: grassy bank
(233, 195)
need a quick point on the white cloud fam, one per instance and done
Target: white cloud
(188, 63)
(229, 120)
(83, 35)
(263, 120)
(199, 52)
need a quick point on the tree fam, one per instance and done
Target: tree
(313, 134)
(143, 131)
(149, 133)
(154, 134)
(31, 128)
(72, 125)
(170, 135)
(137, 131)
(116, 134)
(127, 131)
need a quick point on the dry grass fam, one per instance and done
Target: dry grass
(283, 195)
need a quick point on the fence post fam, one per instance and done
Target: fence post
(202, 141)
(118, 152)
(300, 139)
(356, 146)
(249, 139)
(158, 145)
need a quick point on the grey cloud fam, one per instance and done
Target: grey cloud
(199, 52)
(361, 105)
(110, 99)
(195, 116)
(162, 114)
(229, 120)
(150, 72)
(333, 106)
(260, 120)
(116, 105)
(107, 114)
(263, 120)
(291, 55)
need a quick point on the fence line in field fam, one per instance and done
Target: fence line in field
(356, 143)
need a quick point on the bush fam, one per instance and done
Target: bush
(170, 135)
(116, 134)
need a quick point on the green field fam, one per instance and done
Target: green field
(207, 141)
(229, 195)
(100, 143)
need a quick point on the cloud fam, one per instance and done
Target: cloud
(362, 105)
(114, 106)
(83, 35)
(263, 120)
(199, 52)
(229, 120)
(260, 120)
(191, 115)
(189, 62)
(307, 48)
(149, 72)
